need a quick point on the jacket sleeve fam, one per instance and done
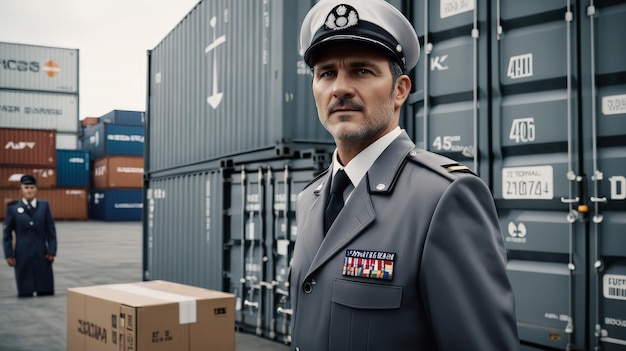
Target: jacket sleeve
(7, 233)
(463, 278)
(51, 233)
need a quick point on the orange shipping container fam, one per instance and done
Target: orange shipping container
(89, 121)
(118, 172)
(65, 204)
(10, 176)
(28, 147)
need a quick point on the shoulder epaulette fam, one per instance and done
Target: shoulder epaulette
(12, 202)
(457, 167)
(438, 163)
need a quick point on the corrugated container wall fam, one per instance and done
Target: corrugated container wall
(182, 229)
(29, 110)
(38, 68)
(65, 204)
(227, 80)
(28, 147)
(73, 168)
(104, 139)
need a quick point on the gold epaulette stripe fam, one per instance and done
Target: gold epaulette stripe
(457, 168)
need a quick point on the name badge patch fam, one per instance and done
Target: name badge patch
(369, 264)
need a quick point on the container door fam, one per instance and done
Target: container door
(245, 258)
(449, 104)
(604, 133)
(536, 168)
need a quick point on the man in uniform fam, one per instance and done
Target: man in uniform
(415, 258)
(34, 248)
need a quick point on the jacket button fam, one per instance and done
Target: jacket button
(307, 287)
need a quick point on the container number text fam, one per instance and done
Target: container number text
(533, 183)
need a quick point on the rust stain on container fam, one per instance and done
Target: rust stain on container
(65, 203)
(118, 172)
(28, 147)
(10, 176)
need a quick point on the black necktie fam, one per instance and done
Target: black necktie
(335, 202)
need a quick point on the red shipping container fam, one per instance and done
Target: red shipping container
(10, 176)
(118, 172)
(28, 147)
(65, 204)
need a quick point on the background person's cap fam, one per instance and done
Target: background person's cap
(28, 180)
(371, 22)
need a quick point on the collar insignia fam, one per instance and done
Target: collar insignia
(342, 17)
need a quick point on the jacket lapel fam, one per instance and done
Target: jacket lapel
(358, 212)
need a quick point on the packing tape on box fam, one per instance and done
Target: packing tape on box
(186, 304)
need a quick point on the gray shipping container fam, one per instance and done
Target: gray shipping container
(231, 227)
(227, 80)
(38, 68)
(30, 110)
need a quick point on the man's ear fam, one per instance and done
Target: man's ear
(403, 88)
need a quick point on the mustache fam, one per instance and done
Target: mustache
(344, 103)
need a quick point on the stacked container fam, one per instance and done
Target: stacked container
(529, 94)
(38, 119)
(115, 145)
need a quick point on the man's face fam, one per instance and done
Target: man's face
(355, 99)
(29, 191)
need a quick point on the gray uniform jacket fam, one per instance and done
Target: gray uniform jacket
(435, 234)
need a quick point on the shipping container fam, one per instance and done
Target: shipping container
(28, 147)
(73, 168)
(228, 80)
(231, 227)
(135, 118)
(31, 110)
(65, 204)
(89, 121)
(38, 68)
(66, 141)
(116, 204)
(118, 172)
(105, 139)
(10, 176)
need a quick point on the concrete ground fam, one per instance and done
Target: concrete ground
(90, 253)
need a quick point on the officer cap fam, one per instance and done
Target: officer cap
(371, 22)
(28, 180)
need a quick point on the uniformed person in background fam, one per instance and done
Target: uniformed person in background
(30, 242)
(415, 259)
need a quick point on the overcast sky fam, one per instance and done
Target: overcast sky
(113, 37)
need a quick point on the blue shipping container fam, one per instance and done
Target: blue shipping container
(73, 168)
(135, 118)
(116, 204)
(104, 139)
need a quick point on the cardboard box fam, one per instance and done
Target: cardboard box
(149, 316)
